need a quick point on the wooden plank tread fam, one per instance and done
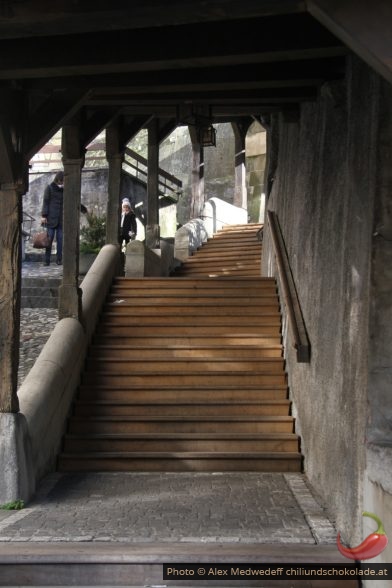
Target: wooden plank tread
(181, 455)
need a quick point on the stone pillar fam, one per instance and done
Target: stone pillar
(152, 225)
(115, 157)
(240, 191)
(10, 294)
(70, 295)
(197, 203)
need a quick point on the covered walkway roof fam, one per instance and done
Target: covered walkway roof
(176, 61)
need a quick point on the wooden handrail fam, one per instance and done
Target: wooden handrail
(294, 314)
(162, 172)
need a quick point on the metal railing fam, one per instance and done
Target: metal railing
(294, 314)
(137, 166)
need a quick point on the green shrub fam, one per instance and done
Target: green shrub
(93, 235)
(14, 505)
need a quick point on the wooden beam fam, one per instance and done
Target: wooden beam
(131, 127)
(166, 128)
(31, 18)
(276, 74)
(287, 37)
(51, 116)
(10, 295)
(96, 123)
(363, 26)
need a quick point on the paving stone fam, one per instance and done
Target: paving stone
(130, 509)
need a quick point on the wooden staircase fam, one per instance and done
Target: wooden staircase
(187, 374)
(233, 251)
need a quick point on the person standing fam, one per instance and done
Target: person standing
(128, 226)
(52, 216)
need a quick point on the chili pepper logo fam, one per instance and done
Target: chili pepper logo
(370, 547)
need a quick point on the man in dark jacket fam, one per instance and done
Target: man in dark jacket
(128, 226)
(52, 216)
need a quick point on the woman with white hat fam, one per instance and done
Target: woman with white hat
(128, 226)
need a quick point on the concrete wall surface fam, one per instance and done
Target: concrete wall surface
(217, 213)
(330, 186)
(33, 437)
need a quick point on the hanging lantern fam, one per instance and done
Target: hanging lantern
(207, 136)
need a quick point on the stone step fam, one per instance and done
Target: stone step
(39, 292)
(39, 301)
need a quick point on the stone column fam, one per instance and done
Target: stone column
(10, 294)
(197, 203)
(152, 225)
(115, 157)
(240, 191)
(70, 295)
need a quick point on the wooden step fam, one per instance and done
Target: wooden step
(226, 252)
(190, 339)
(196, 365)
(185, 394)
(187, 373)
(105, 352)
(214, 272)
(202, 284)
(267, 442)
(178, 379)
(204, 318)
(174, 310)
(111, 408)
(193, 300)
(188, 424)
(181, 462)
(189, 329)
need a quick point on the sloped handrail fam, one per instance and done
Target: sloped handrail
(294, 314)
(166, 181)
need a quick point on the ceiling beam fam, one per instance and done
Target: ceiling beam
(229, 43)
(275, 74)
(33, 19)
(49, 118)
(363, 26)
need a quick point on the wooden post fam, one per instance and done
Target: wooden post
(240, 191)
(115, 157)
(70, 295)
(197, 203)
(10, 294)
(152, 226)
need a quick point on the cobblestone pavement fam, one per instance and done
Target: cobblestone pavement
(146, 507)
(172, 507)
(36, 324)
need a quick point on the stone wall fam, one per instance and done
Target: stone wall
(329, 185)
